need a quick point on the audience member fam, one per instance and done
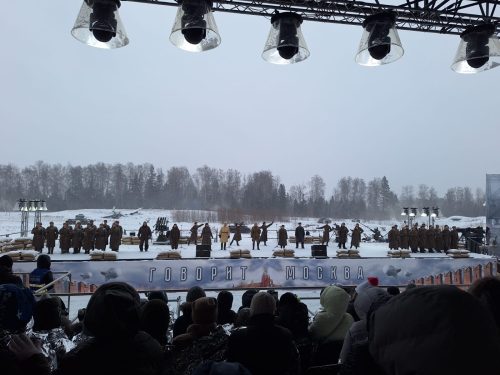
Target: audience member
(41, 275)
(224, 304)
(6, 275)
(487, 290)
(185, 320)
(155, 320)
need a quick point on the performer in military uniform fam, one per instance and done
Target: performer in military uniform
(65, 238)
(38, 240)
(51, 234)
(326, 233)
(144, 233)
(255, 235)
(236, 235)
(194, 233)
(175, 235)
(263, 233)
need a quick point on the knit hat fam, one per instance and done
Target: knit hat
(194, 293)
(113, 311)
(262, 303)
(204, 310)
(373, 280)
(16, 307)
(47, 314)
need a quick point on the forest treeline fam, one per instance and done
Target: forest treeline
(259, 194)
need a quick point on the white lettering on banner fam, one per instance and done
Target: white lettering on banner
(290, 272)
(213, 273)
(305, 273)
(229, 273)
(199, 273)
(320, 273)
(360, 273)
(168, 274)
(243, 272)
(184, 273)
(333, 274)
(151, 272)
(347, 272)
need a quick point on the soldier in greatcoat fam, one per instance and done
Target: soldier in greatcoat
(454, 237)
(430, 239)
(356, 236)
(38, 240)
(236, 235)
(224, 236)
(393, 237)
(206, 235)
(175, 235)
(263, 232)
(282, 237)
(77, 238)
(438, 239)
(446, 238)
(404, 237)
(144, 233)
(194, 233)
(255, 235)
(414, 239)
(108, 230)
(342, 232)
(51, 234)
(422, 238)
(65, 238)
(115, 236)
(326, 233)
(88, 238)
(101, 237)
(300, 234)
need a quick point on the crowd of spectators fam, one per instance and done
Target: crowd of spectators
(370, 330)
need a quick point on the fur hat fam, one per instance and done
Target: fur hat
(16, 307)
(204, 310)
(47, 314)
(194, 293)
(113, 311)
(262, 303)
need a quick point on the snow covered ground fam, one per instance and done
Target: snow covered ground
(10, 222)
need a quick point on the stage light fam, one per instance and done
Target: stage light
(194, 28)
(435, 212)
(99, 25)
(405, 211)
(425, 211)
(380, 43)
(479, 50)
(285, 43)
(413, 212)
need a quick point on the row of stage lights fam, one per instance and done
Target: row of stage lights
(31, 205)
(426, 211)
(99, 25)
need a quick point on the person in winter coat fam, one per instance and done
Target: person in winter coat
(299, 236)
(65, 238)
(116, 346)
(393, 237)
(51, 233)
(224, 236)
(77, 238)
(175, 235)
(263, 233)
(343, 231)
(88, 238)
(445, 234)
(144, 234)
(422, 238)
(430, 239)
(38, 240)
(155, 320)
(438, 239)
(204, 340)
(108, 231)
(454, 238)
(255, 235)
(115, 236)
(185, 320)
(41, 275)
(224, 304)
(282, 237)
(263, 347)
(414, 239)
(330, 324)
(101, 237)
(434, 343)
(356, 236)
(326, 233)
(236, 235)
(194, 233)
(404, 236)
(206, 235)
(6, 275)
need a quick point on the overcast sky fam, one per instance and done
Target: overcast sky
(415, 120)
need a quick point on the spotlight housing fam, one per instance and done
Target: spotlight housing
(380, 43)
(479, 50)
(285, 43)
(194, 28)
(98, 24)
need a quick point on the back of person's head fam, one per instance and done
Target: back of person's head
(113, 312)
(367, 299)
(194, 293)
(204, 310)
(224, 300)
(221, 368)
(246, 298)
(262, 303)
(47, 314)
(288, 298)
(6, 262)
(16, 307)
(393, 290)
(487, 290)
(155, 319)
(434, 330)
(242, 317)
(334, 300)
(43, 261)
(158, 294)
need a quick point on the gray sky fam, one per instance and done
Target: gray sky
(414, 121)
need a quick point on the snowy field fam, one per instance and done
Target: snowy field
(10, 222)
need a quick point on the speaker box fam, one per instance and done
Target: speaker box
(203, 251)
(318, 251)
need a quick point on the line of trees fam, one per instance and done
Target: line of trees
(260, 194)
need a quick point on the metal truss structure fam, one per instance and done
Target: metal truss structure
(433, 16)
